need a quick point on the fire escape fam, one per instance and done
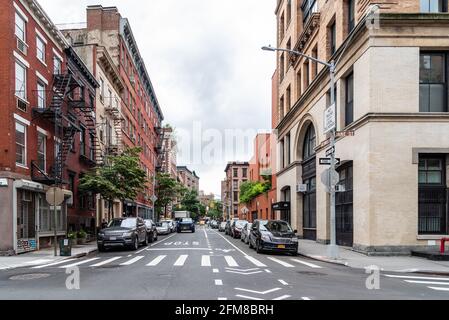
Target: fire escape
(114, 147)
(66, 118)
(160, 150)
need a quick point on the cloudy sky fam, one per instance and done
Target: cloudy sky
(211, 78)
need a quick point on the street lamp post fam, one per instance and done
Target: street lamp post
(333, 248)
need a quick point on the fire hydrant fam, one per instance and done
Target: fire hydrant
(443, 244)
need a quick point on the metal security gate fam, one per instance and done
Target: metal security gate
(432, 210)
(26, 221)
(344, 208)
(309, 199)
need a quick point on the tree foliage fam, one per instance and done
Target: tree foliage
(215, 210)
(167, 191)
(251, 189)
(191, 203)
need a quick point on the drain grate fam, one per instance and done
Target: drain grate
(32, 276)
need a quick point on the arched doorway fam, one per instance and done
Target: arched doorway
(309, 179)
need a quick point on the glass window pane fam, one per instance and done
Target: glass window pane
(434, 177)
(20, 27)
(434, 164)
(437, 69)
(437, 98)
(422, 164)
(20, 81)
(424, 98)
(425, 66)
(422, 177)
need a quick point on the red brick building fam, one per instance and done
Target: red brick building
(48, 135)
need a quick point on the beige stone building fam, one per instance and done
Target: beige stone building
(188, 178)
(392, 94)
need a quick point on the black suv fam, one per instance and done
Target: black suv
(123, 232)
(273, 235)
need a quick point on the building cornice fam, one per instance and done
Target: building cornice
(110, 68)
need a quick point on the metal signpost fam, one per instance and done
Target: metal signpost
(55, 197)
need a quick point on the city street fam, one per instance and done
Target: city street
(207, 265)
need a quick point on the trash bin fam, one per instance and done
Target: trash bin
(65, 248)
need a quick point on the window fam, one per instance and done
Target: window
(41, 96)
(110, 98)
(282, 66)
(308, 8)
(21, 144)
(44, 215)
(281, 108)
(306, 74)
(57, 65)
(235, 184)
(314, 64)
(289, 11)
(244, 173)
(287, 149)
(433, 6)
(83, 142)
(40, 49)
(289, 98)
(351, 15)
(333, 38)
(349, 103)
(101, 89)
(433, 83)
(236, 173)
(309, 143)
(281, 27)
(299, 83)
(282, 153)
(20, 27)
(21, 78)
(236, 196)
(431, 171)
(41, 152)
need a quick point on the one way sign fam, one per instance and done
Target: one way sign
(327, 161)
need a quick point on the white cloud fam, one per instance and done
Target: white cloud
(204, 60)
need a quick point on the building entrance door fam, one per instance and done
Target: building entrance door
(344, 208)
(309, 199)
(26, 221)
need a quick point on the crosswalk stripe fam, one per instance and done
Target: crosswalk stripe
(105, 262)
(205, 261)
(79, 263)
(53, 264)
(133, 260)
(218, 282)
(439, 289)
(156, 261)
(417, 278)
(181, 260)
(256, 262)
(314, 266)
(247, 297)
(230, 261)
(285, 264)
(428, 282)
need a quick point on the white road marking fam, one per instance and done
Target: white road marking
(306, 298)
(417, 278)
(78, 263)
(222, 299)
(268, 271)
(105, 262)
(53, 264)
(195, 243)
(242, 270)
(241, 251)
(140, 251)
(244, 273)
(428, 282)
(40, 261)
(205, 261)
(178, 249)
(230, 261)
(283, 282)
(246, 297)
(181, 260)
(256, 262)
(156, 261)
(314, 266)
(165, 239)
(259, 292)
(205, 233)
(282, 298)
(218, 282)
(133, 260)
(285, 264)
(438, 288)
(215, 271)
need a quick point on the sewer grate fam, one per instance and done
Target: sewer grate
(32, 276)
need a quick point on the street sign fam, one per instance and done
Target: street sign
(330, 152)
(327, 161)
(329, 119)
(330, 178)
(153, 198)
(245, 210)
(341, 134)
(55, 196)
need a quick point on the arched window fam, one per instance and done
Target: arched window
(309, 143)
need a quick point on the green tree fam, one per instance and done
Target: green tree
(215, 210)
(251, 189)
(190, 202)
(167, 191)
(121, 178)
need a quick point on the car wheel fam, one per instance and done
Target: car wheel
(250, 244)
(136, 243)
(101, 248)
(145, 243)
(151, 239)
(155, 236)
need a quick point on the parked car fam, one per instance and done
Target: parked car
(273, 235)
(171, 224)
(214, 224)
(151, 230)
(186, 224)
(222, 226)
(228, 226)
(245, 233)
(123, 232)
(237, 227)
(163, 228)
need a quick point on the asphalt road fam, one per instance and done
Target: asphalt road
(207, 265)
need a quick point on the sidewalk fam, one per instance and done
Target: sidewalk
(44, 256)
(357, 260)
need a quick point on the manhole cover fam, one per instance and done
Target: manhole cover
(311, 273)
(30, 276)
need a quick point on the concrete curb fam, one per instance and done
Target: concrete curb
(346, 264)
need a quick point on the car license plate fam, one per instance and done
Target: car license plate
(113, 238)
(281, 246)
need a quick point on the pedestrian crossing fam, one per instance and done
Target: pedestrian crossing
(177, 261)
(434, 283)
